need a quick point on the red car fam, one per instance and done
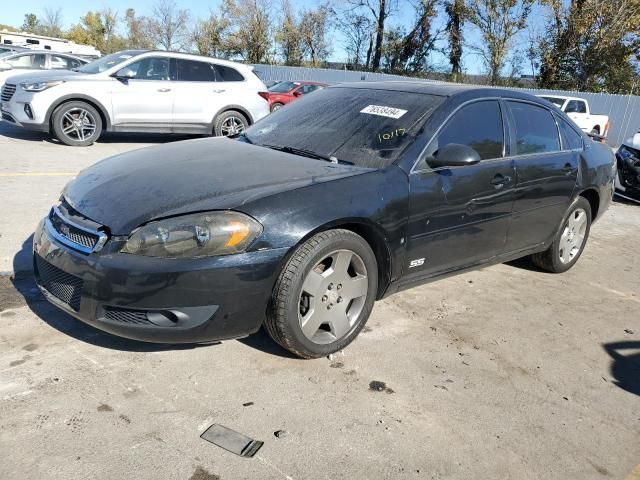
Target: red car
(284, 92)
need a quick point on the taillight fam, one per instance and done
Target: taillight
(264, 95)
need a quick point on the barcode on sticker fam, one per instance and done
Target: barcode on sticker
(383, 111)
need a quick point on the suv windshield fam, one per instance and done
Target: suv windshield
(283, 87)
(366, 127)
(109, 61)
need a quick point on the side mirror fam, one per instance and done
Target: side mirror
(4, 66)
(125, 73)
(454, 155)
(297, 93)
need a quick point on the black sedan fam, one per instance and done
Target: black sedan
(319, 210)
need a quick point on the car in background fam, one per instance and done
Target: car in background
(628, 160)
(578, 110)
(286, 92)
(137, 91)
(28, 61)
(320, 209)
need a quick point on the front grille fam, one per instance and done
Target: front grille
(72, 233)
(62, 285)
(120, 315)
(7, 92)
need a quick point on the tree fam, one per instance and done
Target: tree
(137, 31)
(288, 36)
(591, 45)
(51, 23)
(356, 29)
(168, 25)
(314, 27)
(208, 35)
(250, 35)
(380, 11)
(99, 30)
(31, 23)
(455, 10)
(420, 40)
(498, 22)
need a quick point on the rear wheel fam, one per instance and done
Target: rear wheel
(324, 295)
(230, 123)
(570, 240)
(77, 124)
(276, 106)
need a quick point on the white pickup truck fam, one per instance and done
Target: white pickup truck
(578, 110)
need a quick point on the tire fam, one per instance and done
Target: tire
(276, 106)
(564, 251)
(308, 288)
(229, 123)
(595, 131)
(77, 124)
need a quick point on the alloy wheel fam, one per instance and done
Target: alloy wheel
(573, 236)
(78, 124)
(333, 296)
(232, 125)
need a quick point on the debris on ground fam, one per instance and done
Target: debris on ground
(280, 433)
(378, 386)
(231, 440)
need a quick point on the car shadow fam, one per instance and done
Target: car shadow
(17, 133)
(24, 284)
(525, 263)
(626, 366)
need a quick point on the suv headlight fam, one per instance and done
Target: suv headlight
(195, 235)
(39, 86)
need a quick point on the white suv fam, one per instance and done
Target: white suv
(137, 91)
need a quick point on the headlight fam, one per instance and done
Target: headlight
(192, 236)
(39, 86)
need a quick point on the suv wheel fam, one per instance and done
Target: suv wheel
(324, 295)
(229, 123)
(77, 124)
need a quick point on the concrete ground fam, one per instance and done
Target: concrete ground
(506, 372)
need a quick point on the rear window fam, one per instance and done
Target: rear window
(283, 87)
(228, 74)
(367, 127)
(536, 130)
(192, 71)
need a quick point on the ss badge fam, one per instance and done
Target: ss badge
(416, 263)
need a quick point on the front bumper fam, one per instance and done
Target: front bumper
(157, 300)
(628, 176)
(12, 110)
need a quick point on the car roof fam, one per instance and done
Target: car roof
(441, 89)
(203, 58)
(561, 97)
(52, 52)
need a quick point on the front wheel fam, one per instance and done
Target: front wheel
(570, 240)
(324, 295)
(276, 106)
(77, 124)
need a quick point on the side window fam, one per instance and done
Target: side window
(571, 140)
(228, 74)
(478, 125)
(59, 62)
(28, 61)
(536, 130)
(576, 106)
(308, 89)
(192, 71)
(151, 68)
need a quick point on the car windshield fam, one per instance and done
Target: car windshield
(108, 61)
(556, 101)
(363, 126)
(283, 87)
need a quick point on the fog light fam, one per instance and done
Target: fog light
(28, 111)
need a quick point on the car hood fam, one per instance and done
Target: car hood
(130, 189)
(46, 75)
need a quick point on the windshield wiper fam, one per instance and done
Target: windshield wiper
(307, 153)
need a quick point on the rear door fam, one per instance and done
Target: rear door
(145, 100)
(546, 169)
(197, 94)
(459, 216)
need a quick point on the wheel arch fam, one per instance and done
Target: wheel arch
(373, 235)
(104, 115)
(593, 197)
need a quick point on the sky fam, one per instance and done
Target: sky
(12, 13)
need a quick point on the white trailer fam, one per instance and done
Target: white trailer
(40, 42)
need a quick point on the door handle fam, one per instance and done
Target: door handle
(500, 180)
(164, 90)
(568, 169)
(219, 91)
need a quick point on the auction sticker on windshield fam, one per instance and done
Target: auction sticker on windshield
(383, 111)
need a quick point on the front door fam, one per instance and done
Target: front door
(145, 98)
(459, 216)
